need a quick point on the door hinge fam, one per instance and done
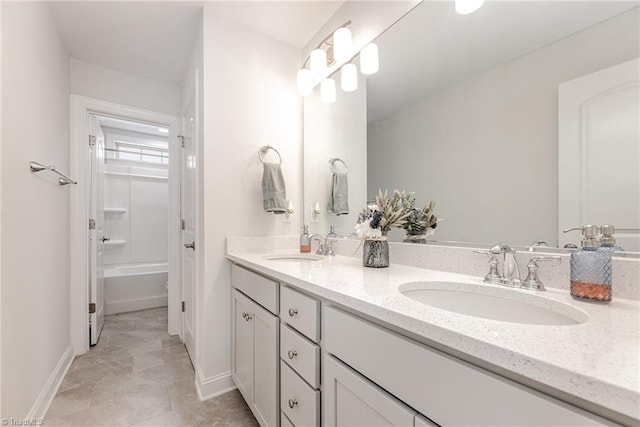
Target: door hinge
(92, 224)
(92, 307)
(92, 140)
(181, 140)
(183, 306)
(182, 224)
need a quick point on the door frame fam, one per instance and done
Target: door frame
(81, 107)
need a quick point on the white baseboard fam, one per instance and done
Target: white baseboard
(123, 306)
(42, 403)
(209, 388)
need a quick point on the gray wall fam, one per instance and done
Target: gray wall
(486, 150)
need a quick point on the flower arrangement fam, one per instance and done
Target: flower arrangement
(419, 221)
(375, 222)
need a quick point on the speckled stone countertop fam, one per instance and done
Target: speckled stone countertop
(597, 361)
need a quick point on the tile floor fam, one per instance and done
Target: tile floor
(138, 375)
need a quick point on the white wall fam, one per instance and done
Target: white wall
(249, 101)
(488, 147)
(335, 130)
(107, 84)
(35, 213)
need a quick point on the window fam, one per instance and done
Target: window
(141, 153)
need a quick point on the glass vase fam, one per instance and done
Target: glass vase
(375, 253)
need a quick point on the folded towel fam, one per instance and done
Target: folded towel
(274, 192)
(339, 197)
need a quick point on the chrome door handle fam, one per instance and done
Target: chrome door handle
(292, 312)
(105, 239)
(292, 354)
(191, 245)
(292, 403)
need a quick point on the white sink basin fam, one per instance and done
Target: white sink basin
(293, 257)
(489, 302)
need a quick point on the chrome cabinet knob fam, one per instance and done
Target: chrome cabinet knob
(292, 354)
(105, 239)
(292, 403)
(292, 312)
(244, 315)
(249, 317)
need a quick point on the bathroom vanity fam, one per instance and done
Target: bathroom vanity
(324, 341)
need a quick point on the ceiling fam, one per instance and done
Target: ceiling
(155, 39)
(433, 48)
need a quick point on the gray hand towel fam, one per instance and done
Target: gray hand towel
(274, 192)
(339, 197)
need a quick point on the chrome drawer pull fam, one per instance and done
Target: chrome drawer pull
(244, 316)
(292, 312)
(292, 354)
(249, 317)
(292, 403)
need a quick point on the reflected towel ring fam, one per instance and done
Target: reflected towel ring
(333, 161)
(264, 150)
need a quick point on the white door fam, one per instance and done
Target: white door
(188, 208)
(599, 153)
(96, 235)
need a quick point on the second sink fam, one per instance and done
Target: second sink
(493, 303)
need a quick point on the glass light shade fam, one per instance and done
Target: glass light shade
(465, 7)
(342, 44)
(305, 82)
(349, 78)
(328, 91)
(318, 62)
(369, 59)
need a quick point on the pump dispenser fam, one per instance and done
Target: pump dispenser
(590, 268)
(305, 241)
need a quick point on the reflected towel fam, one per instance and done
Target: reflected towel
(339, 197)
(274, 192)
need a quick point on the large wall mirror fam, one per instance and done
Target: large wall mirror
(518, 120)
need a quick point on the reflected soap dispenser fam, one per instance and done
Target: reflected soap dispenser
(608, 242)
(590, 268)
(305, 240)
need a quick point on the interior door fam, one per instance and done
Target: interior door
(96, 232)
(599, 153)
(188, 208)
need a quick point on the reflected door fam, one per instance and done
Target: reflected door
(599, 153)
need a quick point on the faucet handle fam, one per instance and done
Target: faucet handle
(532, 282)
(493, 276)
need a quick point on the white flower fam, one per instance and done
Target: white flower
(364, 230)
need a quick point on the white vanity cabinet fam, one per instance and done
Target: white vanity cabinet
(255, 333)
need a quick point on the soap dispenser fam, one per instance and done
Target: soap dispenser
(305, 241)
(590, 268)
(608, 242)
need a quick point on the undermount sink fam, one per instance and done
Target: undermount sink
(293, 257)
(490, 302)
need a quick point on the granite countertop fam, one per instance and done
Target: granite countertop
(597, 361)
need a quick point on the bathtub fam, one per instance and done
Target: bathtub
(130, 287)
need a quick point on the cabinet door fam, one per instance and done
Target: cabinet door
(242, 345)
(351, 400)
(266, 367)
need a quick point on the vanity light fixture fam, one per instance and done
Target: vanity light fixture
(369, 59)
(349, 77)
(465, 7)
(328, 91)
(318, 62)
(342, 44)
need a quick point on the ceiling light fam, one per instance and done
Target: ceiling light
(328, 91)
(349, 78)
(305, 82)
(342, 44)
(163, 130)
(369, 59)
(465, 7)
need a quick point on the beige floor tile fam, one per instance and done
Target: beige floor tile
(70, 401)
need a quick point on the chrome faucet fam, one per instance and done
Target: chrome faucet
(325, 244)
(510, 269)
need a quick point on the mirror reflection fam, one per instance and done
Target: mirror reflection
(519, 121)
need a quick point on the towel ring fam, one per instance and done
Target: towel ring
(333, 161)
(264, 150)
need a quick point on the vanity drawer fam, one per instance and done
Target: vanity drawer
(301, 354)
(299, 402)
(262, 290)
(301, 312)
